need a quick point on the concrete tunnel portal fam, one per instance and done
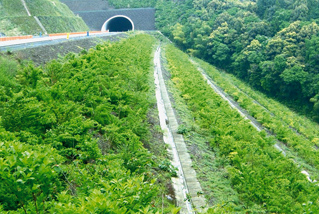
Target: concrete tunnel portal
(118, 23)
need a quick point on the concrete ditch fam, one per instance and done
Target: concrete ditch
(36, 18)
(279, 145)
(187, 188)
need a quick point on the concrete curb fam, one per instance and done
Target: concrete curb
(188, 186)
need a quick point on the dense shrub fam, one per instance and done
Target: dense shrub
(71, 134)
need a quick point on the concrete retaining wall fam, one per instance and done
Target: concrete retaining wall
(143, 18)
(96, 12)
(83, 5)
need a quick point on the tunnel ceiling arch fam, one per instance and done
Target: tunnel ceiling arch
(118, 23)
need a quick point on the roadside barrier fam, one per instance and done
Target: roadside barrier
(15, 38)
(74, 33)
(85, 33)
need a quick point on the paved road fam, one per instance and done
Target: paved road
(46, 40)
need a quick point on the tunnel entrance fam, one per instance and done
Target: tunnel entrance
(118, 24)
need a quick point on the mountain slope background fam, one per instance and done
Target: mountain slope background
(87, 114)
(271, 44)
(54, 16)
(84, 131)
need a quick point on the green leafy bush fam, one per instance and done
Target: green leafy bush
(264, 179)
(27, 175)
(297, 132)
(91, 110)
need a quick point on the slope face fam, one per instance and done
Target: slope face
(245, 168)
(273, 45)
(48, 8)
(97, 106)
(85, 5)
(54, 16)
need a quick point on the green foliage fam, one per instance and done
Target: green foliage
(28, 176)
(48, 8)
(265, 180)
(109, 188)
(12, 8)
(182, 129)
(58, 24)
(132, 3)
(26, 25)
(91, 110)
(167, 166)
(294, 75)
(222, 32)
(297, 132)
(54, 16)
(8, 70)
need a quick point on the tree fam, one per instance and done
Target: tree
(178, 35)
(295, 78)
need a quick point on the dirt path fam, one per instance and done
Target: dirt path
(186, 185)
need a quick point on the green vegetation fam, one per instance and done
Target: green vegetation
(8, 68)
(54, 16)
(132, 3)
(279, 120)
(62, 24)
(12, 8)
(20, 25)
(211, 174)
(271, 44)
(48, 8)
(263, 179)
(72, 134)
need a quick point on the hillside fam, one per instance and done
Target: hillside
(140, 124)
(74, 133)
(272, 45)
(53, 15)
(84, 134)
(241, 169)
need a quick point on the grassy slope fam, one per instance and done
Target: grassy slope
(263, 179)
(297, 132)
(117, 92)
(55, 17)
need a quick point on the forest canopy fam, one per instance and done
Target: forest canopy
(271, 44)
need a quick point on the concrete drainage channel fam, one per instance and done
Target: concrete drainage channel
(186, 185)
(36, 18)
(242, 112)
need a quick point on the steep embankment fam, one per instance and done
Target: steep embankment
(272, 45)
(246, 174)
(34, 16)
(74, 133)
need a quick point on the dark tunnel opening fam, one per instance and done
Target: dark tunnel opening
(119, 24)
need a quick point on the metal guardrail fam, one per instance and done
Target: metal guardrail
(50, 40)
(10, 38)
